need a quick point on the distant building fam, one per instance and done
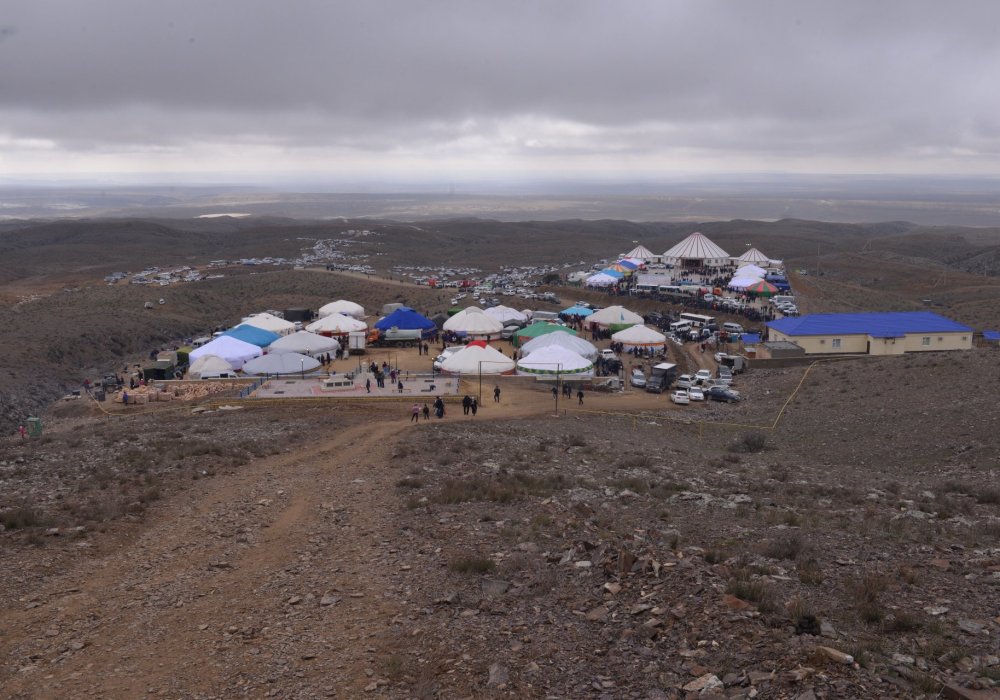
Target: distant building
(879, 333)
(696, 251)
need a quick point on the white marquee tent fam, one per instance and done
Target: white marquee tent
(750, 270)
(232, 350)
(474, 322)
(640, 337)
(615, 316)
(476, 359)
(600, 280)
(305, 343)
(209, 367)
(697, 251)
(342, 306)
(270, 322)
(336, 324)
(555, 360)
(569, 341)
(281, 363)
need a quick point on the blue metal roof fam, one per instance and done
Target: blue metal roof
(991, 335)
(751, 338)
(891, 324)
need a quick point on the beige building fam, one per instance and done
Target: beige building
(877, 333)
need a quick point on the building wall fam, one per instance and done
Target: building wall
(913, 342)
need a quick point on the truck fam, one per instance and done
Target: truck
(660, 378)
(736, 363)
(405, 337)
(356, 342)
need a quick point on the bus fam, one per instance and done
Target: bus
(697, 320)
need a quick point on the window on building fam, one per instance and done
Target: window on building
(925, 340)
(940, 340)
(835, 343)
(822, 341)
(965, 337)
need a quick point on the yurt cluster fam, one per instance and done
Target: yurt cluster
(695, 256)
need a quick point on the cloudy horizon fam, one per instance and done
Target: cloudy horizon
(450, 91)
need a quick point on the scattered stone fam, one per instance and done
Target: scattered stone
(940, 564)
(493, 587)
(329, 600)
(760, 677)
(499, 676)
(935, 610)
(598, 614)
(904, 659)
(707, 682)
(972, 627)
(294, 600)
(835, 655)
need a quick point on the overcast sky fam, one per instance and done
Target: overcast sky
(452, 90)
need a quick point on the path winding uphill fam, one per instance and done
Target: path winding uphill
(276, 577)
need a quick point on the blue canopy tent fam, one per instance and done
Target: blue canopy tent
(576, 311)
(407, 319)
(612, 273)
(253, 335)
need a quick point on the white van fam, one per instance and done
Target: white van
(732, 328)
(680, 327)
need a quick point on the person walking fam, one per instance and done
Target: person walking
(475, 406)
(415, 413)
(439, 407)
(555, 393)
(427, 411)
(466, 404)
(368, 385)
(496, 394)
(399, 385)
(22, 431)
(579, 397)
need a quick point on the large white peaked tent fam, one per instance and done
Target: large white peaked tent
(336, 324)
(232, 350)
(555, 360)
(615, 316)
(270, 322)
(578, 345)
(209, 367)
(342, 306)
(600, 280)
(283, 363)
(305, 343)
(643, 253)
(476, 359)
(753, 256)
(640, 337)
(751, 270)
(473, 321)
(696, 251)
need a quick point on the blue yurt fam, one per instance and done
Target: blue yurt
(406, 318)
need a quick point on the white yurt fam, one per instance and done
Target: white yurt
(753, 256)
(581, 347)
(505, 314)
(232, 350)
(615, 316)
(281, 363)
(640, 337)
(305, 343)
(555, 360)
(209, 367)
(478, 359)
(336, 324)
(474, 322)
(342, 306)
(269, 322)
(697, 251)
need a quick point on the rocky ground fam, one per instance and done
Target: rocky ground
(338, 551)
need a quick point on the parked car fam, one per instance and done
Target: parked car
(638, 379)
(725, 376)
(607, 354)
(719, 393)
(679, 396)
(696, 394)
(702, 376)
(684, 381)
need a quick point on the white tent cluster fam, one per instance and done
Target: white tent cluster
(640, 337)
(505, 314)
(210, 367)
(233, 350)
(336, 324)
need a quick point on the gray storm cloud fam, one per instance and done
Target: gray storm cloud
(889, 85)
